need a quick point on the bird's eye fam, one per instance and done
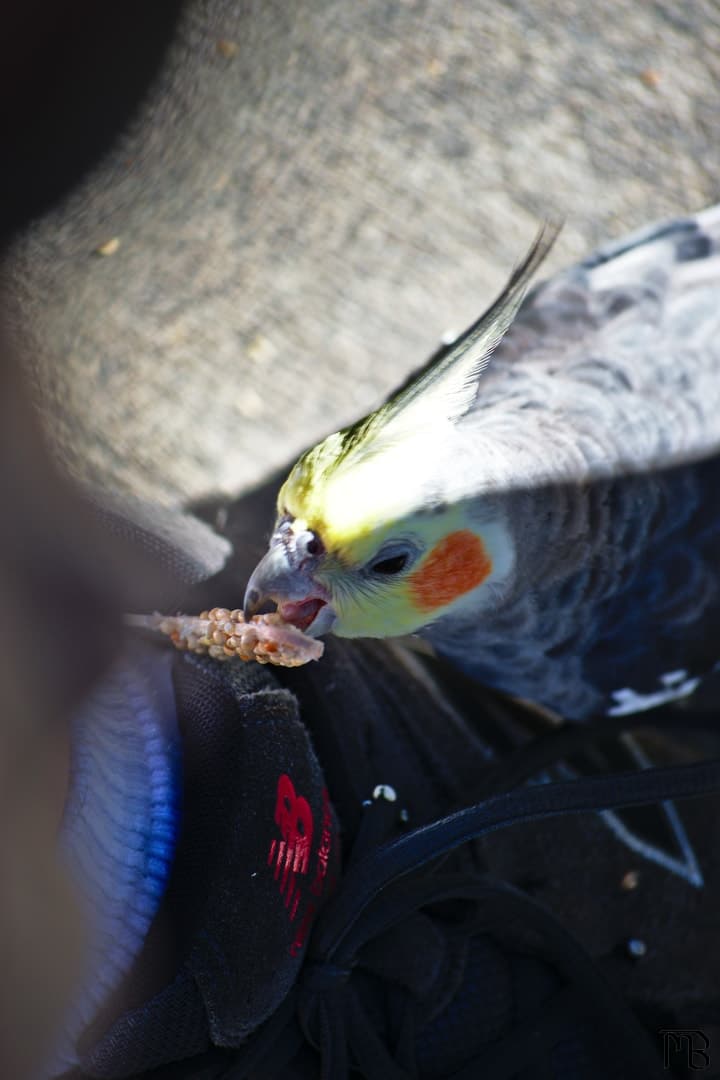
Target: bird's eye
(393, 565)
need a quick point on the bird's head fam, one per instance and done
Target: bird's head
(366, 550)
(378, 533)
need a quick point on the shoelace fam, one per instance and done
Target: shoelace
(386, 882)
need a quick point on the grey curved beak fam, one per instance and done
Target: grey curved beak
(274, 578)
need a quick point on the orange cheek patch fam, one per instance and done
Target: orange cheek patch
(456, 565)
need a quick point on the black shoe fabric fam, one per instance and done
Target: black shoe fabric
(255, 810)
(384, 870)
(513, 992)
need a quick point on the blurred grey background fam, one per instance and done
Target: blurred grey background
(315, 191)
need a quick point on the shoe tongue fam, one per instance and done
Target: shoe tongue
(256, 857)
(262, 831)
(260, 852)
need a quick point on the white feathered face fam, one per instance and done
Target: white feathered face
(340, 565)
(380, 530)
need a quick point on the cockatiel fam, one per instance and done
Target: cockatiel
(541, 501)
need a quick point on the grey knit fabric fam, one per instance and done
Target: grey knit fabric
(316, 191)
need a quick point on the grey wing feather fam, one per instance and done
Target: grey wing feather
(610, 369)
(631, 338)
(644, 277)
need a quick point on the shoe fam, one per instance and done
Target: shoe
(383, 870)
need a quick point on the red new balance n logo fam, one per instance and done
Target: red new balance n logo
(290, 855)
